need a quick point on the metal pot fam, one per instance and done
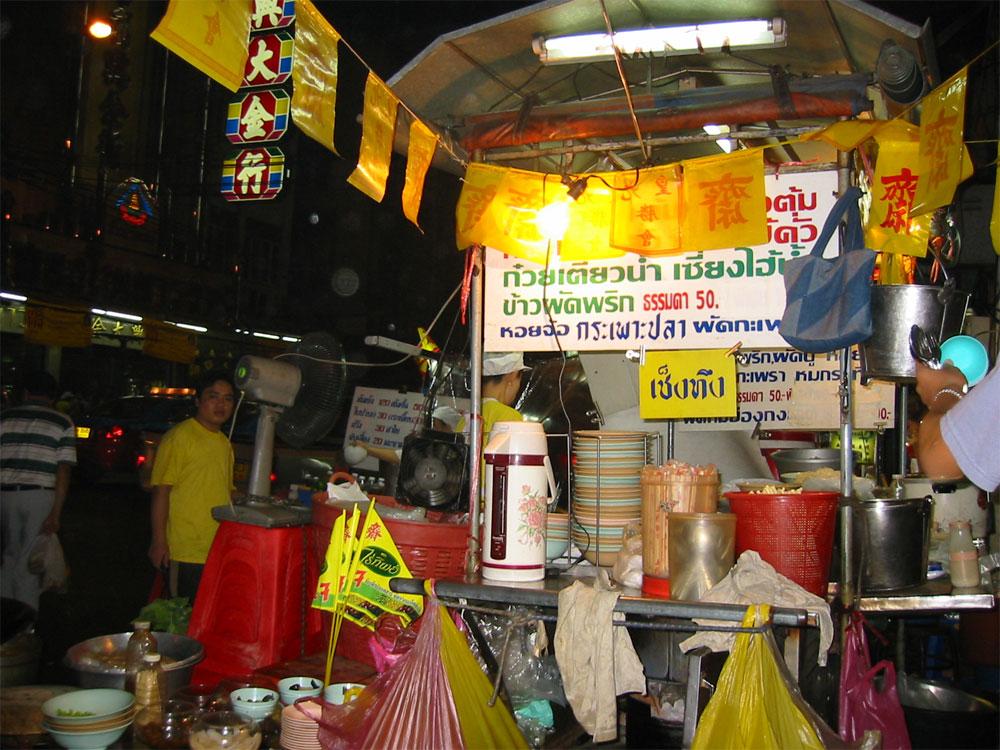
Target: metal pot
(895, 309)
(805, 459)
(890, 542)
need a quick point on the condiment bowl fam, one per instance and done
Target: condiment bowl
(292, 688)
(254, 703)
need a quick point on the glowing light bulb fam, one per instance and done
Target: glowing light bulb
(100, 29)
(552, 220)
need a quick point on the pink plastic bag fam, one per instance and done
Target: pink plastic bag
(862, 705)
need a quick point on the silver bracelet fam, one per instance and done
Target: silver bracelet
(951, 391)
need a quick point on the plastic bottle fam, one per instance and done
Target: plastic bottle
(141, 642)
(962, 555)
(151, 684)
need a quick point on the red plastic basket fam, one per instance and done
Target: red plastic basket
(793, 533)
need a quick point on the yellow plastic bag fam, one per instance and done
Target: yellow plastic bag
(752, 707)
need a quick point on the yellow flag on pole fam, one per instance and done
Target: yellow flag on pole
(724, 202)
(212, 35)
(377, 127)
(890, 227)
(942, 122)
(419, 153)
(314, 74)
(329, 582)
(472, 212)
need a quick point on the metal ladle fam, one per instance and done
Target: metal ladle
(925, 348)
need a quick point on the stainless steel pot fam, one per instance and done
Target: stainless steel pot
(791, 460)
(895, 309)
(891, 540)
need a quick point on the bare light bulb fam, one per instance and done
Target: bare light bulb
(552, 220)
(100, 29)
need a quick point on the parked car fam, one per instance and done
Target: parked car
(109, 444)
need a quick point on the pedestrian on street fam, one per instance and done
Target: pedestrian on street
(192, 473)
(37, 455)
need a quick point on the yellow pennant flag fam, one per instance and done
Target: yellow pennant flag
(724, 202)
(212, 35)
(377, 127)
(419, 154)
(846, 135)
(646, 216)
(479, 188)
(693, 383)
(331, 576)
(314, 74)
(57, 326)
(169, 342)
(942, 122)
(890, 227)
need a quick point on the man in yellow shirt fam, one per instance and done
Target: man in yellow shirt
(192, 474)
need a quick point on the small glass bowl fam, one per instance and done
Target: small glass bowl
(224, 730)
(168, 727)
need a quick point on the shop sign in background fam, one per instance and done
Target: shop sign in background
(785, 389)
(703, 300)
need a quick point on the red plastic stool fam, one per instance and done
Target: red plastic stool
(249, 609)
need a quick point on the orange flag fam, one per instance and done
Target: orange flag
(314, 74)
(942, 127)
(212, 35)
(377, 127)
(419, 153)
(724, 202)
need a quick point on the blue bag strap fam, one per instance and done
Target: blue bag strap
(854, 236)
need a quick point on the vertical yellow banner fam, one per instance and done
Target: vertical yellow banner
(692, 383)
(212, 35)
(510, 225)
(942, 122)
(57, 326)
(378, 125)
(590, 217)
(419, 153)
(314, 74)
(890, 228)
(479, 188)
(724, 202)
(646, 215)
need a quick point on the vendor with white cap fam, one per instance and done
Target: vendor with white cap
(501, 385)
(446, 419)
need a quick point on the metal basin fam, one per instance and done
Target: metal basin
(89, 660)
(792, 460)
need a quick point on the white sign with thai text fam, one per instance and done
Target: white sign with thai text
(703, 300)
(785, 389)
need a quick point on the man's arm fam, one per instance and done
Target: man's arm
(159, 552)
(51, 524)
(940, 390)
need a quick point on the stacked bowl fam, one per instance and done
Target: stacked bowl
(606, 494)
(556, 535)
(88, 719)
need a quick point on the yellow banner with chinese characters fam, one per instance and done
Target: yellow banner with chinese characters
(169, 342)
(942, 121)
(419, 154)
(846, 135)
(212, 35)
(646, 215)
(691, 383)
(53, 325)
(724, 202)
(314, 74)
(890, 227)
(378, 124)
(590, 214)
(472, 212)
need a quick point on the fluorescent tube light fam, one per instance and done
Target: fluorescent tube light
(188, 326)
(13, 297)
(119, 315)
(673, 40)
(724, 143)
(260, 335)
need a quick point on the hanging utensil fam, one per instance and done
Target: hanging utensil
(925, 348)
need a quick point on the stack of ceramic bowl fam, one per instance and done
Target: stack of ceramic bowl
(88, 718)
(606, 493)
(300, 727)
(556, 535)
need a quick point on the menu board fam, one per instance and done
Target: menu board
(703, 300)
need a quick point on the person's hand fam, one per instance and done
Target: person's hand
(931, 382)
(159, 554)
(51, 524)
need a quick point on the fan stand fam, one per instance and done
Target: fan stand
(259, 483)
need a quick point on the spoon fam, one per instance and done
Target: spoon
(924, 347)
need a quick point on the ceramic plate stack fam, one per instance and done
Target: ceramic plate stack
(606, 494)
(299, 727)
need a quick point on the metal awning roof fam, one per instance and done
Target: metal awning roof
(489, 72)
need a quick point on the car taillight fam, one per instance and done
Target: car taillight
(273, 476)
(114, 433)
(139, 461)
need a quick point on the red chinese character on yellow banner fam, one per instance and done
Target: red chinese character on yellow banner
(941, 146)
(890, 227)
(646, 216)
(724, 202)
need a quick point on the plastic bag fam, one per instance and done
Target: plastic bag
(862, 705)
(46, 560)
(752, 706)
(627, 569)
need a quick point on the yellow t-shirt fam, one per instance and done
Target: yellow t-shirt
(495, 411)
(198, 465)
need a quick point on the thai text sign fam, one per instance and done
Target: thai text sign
(703, 300)
(693, 383)
(383, 418)
(784, 389)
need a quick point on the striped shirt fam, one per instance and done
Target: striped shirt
(34, 441)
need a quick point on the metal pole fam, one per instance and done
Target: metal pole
(902, 407)
(846, 439)
(472, 556)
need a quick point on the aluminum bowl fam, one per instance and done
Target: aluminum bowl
(90, 660)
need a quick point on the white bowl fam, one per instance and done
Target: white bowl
(86, 740)
(87, 706)
(254, 702)
(292, 688)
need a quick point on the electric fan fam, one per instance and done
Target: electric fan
(432, 470)
(299, 396)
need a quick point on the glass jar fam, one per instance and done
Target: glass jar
(223, 730)
(963, 558)
(169, 728)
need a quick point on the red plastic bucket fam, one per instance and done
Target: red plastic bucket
(792, 533)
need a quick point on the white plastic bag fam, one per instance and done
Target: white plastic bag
(47, 561)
